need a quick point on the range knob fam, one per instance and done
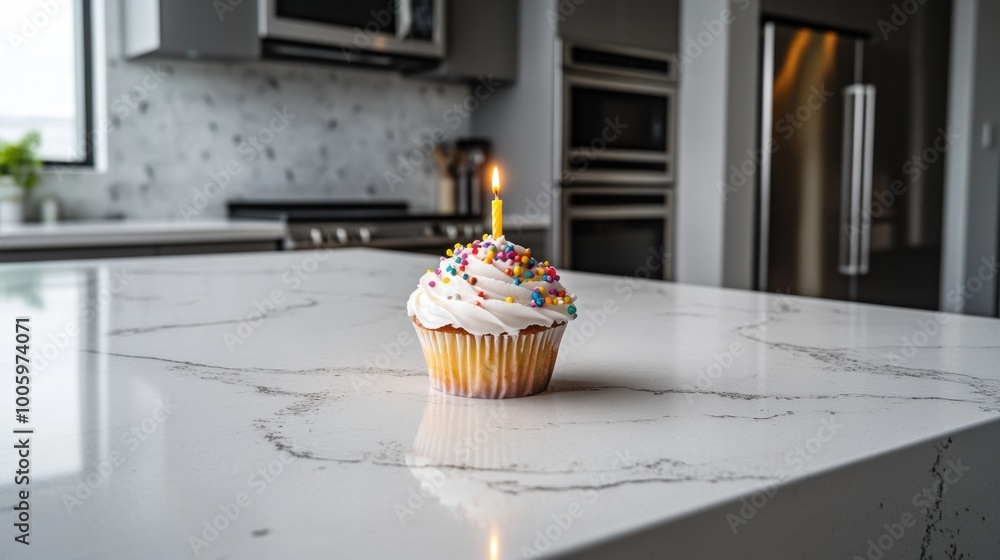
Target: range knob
(316, 236)
(341, 235)
(365, 235)
(451, 231)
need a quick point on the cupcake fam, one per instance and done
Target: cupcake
(489, 320)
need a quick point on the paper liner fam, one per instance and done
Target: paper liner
(488, 366)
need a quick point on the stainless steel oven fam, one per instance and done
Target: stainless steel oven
(400, 27)
(618, 115)
(621, 230)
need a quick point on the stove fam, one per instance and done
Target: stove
(384, 224)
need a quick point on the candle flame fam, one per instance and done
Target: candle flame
(496, 181)
(494, 545)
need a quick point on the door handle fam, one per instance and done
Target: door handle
(856, 182)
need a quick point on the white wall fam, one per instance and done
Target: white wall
(701, 130)
(716, 127)
(972, 189)
(521, 121)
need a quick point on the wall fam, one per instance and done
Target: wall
(174, 133)
(969, 281)
(716, 125)
(742, 145)
(521, 121)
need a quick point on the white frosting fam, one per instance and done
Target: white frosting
(455, 302)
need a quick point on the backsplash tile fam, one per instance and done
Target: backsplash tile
(176, 127)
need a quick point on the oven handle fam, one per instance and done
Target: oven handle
(619, 213)
(619, 155)
(616, 83)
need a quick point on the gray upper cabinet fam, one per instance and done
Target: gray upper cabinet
(191, 28)
(856, 15)
(482, 41)
(649, 24)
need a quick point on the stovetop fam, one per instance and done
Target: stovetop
(382, 224)
(324, 210)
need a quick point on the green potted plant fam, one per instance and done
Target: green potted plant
(19, 172)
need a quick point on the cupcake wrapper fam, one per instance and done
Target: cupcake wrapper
(490, 367)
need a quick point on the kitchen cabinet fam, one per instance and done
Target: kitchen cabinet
(77, 253)
(226, 29)
(481, 36)
(482, 41)
(857, 15)
(649, 24)
(109, 239)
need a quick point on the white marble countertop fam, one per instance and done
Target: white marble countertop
(117, 233)
(283, 398)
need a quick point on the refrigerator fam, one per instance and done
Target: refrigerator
(851, 160)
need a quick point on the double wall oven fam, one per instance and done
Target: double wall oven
(617, 159)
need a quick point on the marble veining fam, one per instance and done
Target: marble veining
(666, 399)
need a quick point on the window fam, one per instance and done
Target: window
(45, 76)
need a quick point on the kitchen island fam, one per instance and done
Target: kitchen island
(276, 405)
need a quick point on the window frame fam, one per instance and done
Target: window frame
(85, 98)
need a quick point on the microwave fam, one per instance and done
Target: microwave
(618, 106)
(356, 30)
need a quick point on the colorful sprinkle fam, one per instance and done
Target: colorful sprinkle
(446, 279)
(432, 283)
(510, 299)
(571, 309)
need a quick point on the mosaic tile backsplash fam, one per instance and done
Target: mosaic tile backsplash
(185, 136)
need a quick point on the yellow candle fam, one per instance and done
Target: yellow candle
(497, 205)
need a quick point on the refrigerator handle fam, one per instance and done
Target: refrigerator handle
(404, 13)
(850, 189)
(856, 184)
(866, 177)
